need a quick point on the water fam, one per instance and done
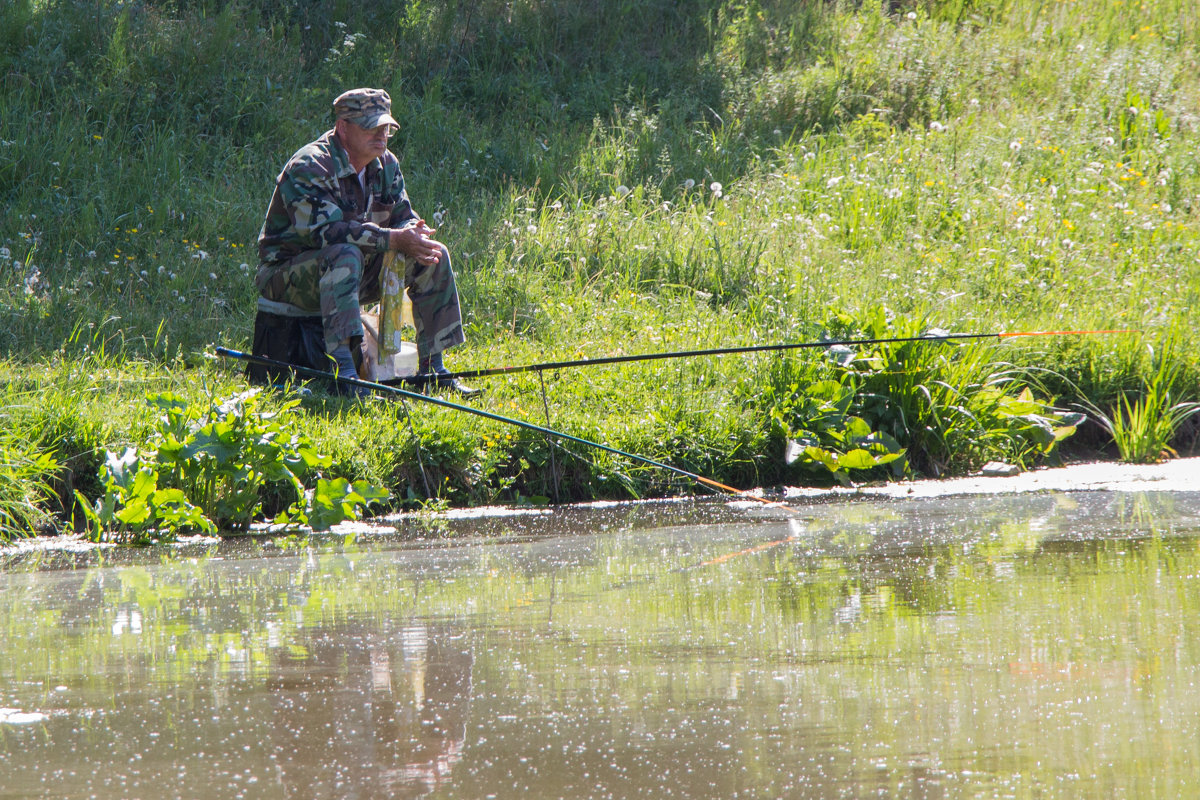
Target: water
(1040, 645)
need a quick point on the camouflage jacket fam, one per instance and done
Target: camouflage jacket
(318, 201)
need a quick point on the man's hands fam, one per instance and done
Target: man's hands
(417, 243)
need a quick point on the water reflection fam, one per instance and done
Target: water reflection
(385, 713)
(1041, 645)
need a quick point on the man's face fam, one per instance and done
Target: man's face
(364, 144)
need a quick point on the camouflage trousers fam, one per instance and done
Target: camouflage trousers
(337, 280)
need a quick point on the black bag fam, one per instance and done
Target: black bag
(294, 340)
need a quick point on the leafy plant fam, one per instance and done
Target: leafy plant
(339, 499)
(224, 457)
(822, 431)
(206, 470)
(134, 508)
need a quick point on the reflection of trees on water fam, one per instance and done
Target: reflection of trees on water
(367, 714)
(923, 557)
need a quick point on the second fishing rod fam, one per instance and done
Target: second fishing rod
(757, 348)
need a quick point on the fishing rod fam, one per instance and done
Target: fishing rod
(756, 348)
(437, 401)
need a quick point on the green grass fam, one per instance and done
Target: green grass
(612, 177)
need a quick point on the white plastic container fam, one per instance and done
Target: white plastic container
(398, 365)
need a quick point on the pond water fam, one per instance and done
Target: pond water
(1043, 645)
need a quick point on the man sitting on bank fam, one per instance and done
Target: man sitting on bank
(338, 207)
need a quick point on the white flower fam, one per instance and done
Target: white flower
(1014, 145)
(212, 276)
(936, 126)
(1133, 111)
(5, 253)
(911, 15)
(832, 182)
(200, 255)
(91, 253)
(1108, 141)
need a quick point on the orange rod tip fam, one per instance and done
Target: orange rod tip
(1065, 333)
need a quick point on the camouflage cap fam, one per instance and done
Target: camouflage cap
(366, 108)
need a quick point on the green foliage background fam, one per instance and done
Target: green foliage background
(613, 177)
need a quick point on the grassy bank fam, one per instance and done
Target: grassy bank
(616, 178)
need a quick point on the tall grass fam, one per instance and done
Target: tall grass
(1142, 428)
(26, 475)
(617, 177)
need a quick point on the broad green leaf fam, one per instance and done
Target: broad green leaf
(857, 459)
